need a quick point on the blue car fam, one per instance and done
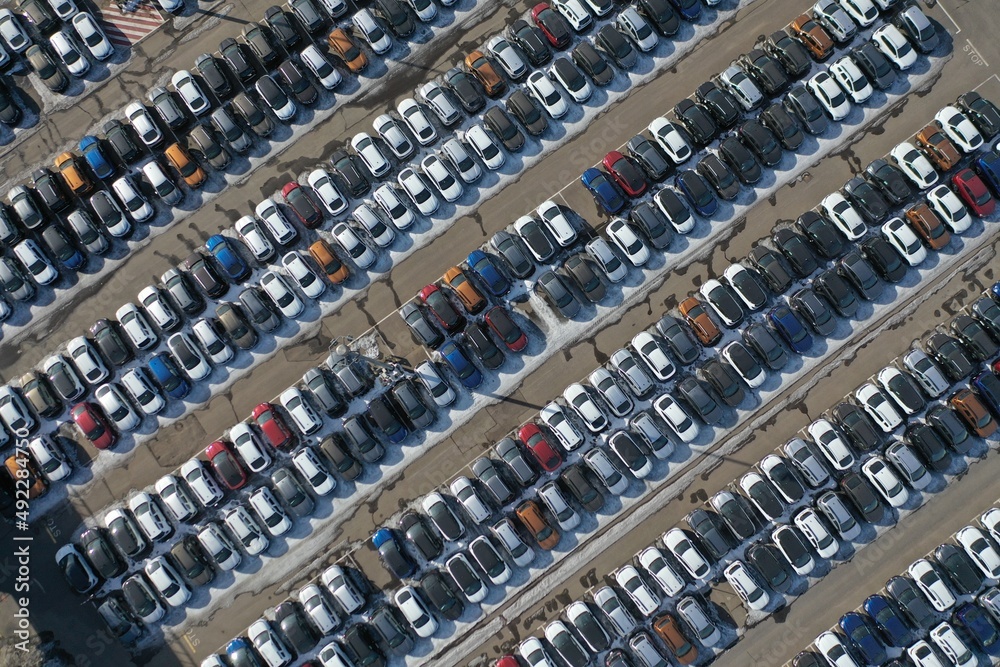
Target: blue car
(790, 328)
(604, 190)
(228, 257)
(978, 625)
(168, 376)
(860, 635)
(484, 267)
(461, 364)
(988, 167)
(90, 146)
(987, 387)
(697, 192)
(688, 9)
(888, 620)
(391, 552)
(240, 652)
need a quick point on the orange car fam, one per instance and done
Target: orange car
(185, 165)
(73, 174)
(334, 269)
(667, 629)
(37, 485)
(812, 36)
(342, 44)
(971, 410)
(483, 70)
(467, 293)
(699, 321)
(530, 515)
(927, 225)
(937, 147)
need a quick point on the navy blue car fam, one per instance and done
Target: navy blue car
(461, 364)
(988, 167)
(994, 291)
(790, 328)
(605, 192)
(978, 625)
(987, 387)
(228, 257)
(688, 9)
(696, 191)
(168, 376)
(888, 620)
(861, 637)
(90, 146)
(484, 267)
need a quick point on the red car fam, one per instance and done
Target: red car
(271, 424)
(507, 661)
(506, 329)
(226, 466)
(625, 173)
(539, 447)
(93, 424)
(438, 303)
(299, 201)
(973, 192)
(552, 24)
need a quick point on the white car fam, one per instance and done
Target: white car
(484, 552)
(344, 592)
(653, 561)
(931, 585)
(676, 418)
(219, 351)
(328, 76)
(674, 210)
(161, 183)
(927, 374)
(600, 464)
(354, 246)
(713, 290)
(64, 9)
(305, 417)
(314, 471)
(417, 121)
(741, 87)
(623, 236)
(555, 418)
(670, 139)
(923, 655)
(914, 165)
(878, 407)
(190, 92)
(86, 359)
(93, 36)
(816, 533)
(276, 222)
(631, 24)
(746, 586)
(150, 517)
(440, 391)
(365, 24)
(246, 530)
(484, 147)
(654, 354)
(833, 650)
(14, 36)
(990, 520)
(437, 173)
(70, 55)
(979, 549)
(175, 498)
(253, 238)
(143, 124)
(468, 169)
(507, 57)
(889, 380)
(782, 478)
(959, 129)
(281, 294)
(740, 277)
(319, 611)
(533, 652)
(157, 308)
(505, 533)
(370, 154)
(327, 191)
(890, 41)
(572, 80)
(745, 364)
(850, 78)
(413, 609)
(56, 365)
(117, 407)
(830, 95)
(142, 391)
(600, 251)
(902, 238)
(206, 490)
(548, 96)
(644, 599)
(949, 208)
(436, 97)
(132, 199)
(831, 444)
(276, 521)
(954, 648)
(684, 550)
(863, 12)
(390, 203)
(574, 13)
(697, 620)
(220, 547)
(466, 494)
(578, 397)
(613, 395)
(387, 199)
(555, 502)
(35, 262)
(301, 271)
(49, 458)
(556, 223)
(885, 481)
(269, 644)
(167, 582)
(248, 446)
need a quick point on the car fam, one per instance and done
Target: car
(696, 120)
(458, 156)
(847, 219)
(349, 240)
(394, 559)
(741, 87)
(862, 638)
(979, 550)
(553, 26)
(904, 241)
(745, 584)
(554, 417)
(735, 513)
(686, 553)
(911, 602)
(437, 173)
(796, 250)
(416, 189)
(959, 129)
(669, 137)
(973, 192)
(556, 293)
(837, 22)
(788, 326)
(723, 302)
(949, 355)
(547, 457)
(894, 46)
(830, 95)
(929, 582)
(949, 209)
(90, 33)
(812, 36)
(371, 155)
(761, 141)
(982, 112)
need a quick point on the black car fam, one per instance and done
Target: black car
(711, 531)
(281, 27)
(394, 15)
(50, 190)
(950, 427)
(696, 120)
(110, 343)
(805, 108)
(761, 141)
(736, 514)
(987, 312)
(394, 559)
(760, 339)
(352, 177)
(592, 63)
(776, 119)
(771, 268)
(950, 356)
(866, 199)
(912, 602)
(336, 452)
(765, 71)
(983, 113)
(741, 160)
(291, 621)
(719, 103)
(361, 647)
(772, 566)
(585, 278)
(483, 347)
(106, 561)
(929, 445)
(813, 310)
(425, 540)
(232, 53)
(500, 124)
(874, 65)
(465, 89)
(723, 381)
(796, 250)
(58, 243)
(959, 569)
(719, 176)
(698, 397)
(788, 52)
(836, 291)
(258, 38)
(974, 337)
(680, 342)
(213, 72)
(389, 630)
(857, 426)
(10, 110)
(574, 480)
(696, 190)
(890, 180)
(863, 496)
(302, 89)
(660, 15)
(440, 595)
(821, 233)
(531, 41)
(612, 42)
(650, 221)
(860, 274)
(118, 135)
(884, 258)
(649, 156)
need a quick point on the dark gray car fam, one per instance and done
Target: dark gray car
(251, 113)
(508, 247)
(650, 221)
(288, 489)
(585, 278)
(413, 407)
(678, 339)
(421, 328)
(203, 142)
(617, 47)
(555, 291)
(256, 308)
(322, 391)
(490, 477)
(521, 106)
(517, 464)
(390, 631)
(359, 435)
(500, 124)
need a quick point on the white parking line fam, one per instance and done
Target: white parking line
(944, 9)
